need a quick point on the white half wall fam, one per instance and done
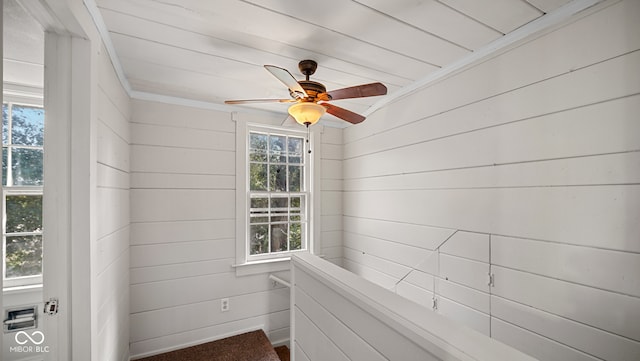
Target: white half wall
(525, 167)
(340, 316)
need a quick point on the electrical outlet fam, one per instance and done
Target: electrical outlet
(224, 305)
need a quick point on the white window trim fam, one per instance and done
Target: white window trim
(243, 266)
(33, 97)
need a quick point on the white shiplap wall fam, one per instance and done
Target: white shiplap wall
(183, 231)
(332, 193)
(112, 245)
(526, 166)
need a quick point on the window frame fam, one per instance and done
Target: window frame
(27, 97)
(245, 263)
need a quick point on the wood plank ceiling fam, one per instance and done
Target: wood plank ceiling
(214, 50)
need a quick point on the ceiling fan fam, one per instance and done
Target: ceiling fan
(312, 98)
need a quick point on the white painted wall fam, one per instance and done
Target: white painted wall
(19, 299)
(183, 231)
(112, 245)
(526, 166)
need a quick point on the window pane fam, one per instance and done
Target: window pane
(295, 178)
(258, 147)
(258, 177)
(24, 256)
(258, 141)
(4, 166)
(27, 126)
(277, 149)
(24, 213)
(295, 150)
(259, 239)
(295, 236)
(26, 166)
(280, 202)
(5, 124)
(258, 156)
(259, 202)
(295, 202)
(278, 175)
(278, 237)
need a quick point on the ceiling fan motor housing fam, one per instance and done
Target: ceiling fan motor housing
(315, 90)
(307, 67)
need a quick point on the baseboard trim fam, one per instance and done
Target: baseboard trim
(283, 342)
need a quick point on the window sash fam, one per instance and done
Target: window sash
(20, 280)
(9, 146)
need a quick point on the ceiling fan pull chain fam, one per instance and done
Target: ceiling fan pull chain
(308, 145)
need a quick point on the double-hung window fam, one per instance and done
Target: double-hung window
(274, 193)
(278, 195)
(22, 180)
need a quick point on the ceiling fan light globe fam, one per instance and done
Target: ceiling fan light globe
(307, 113)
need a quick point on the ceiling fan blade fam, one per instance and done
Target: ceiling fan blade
(248, 101)
(358, 91)
(287, 79)
(342, 113)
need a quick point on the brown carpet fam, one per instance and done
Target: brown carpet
(283, 353)
(250, 346)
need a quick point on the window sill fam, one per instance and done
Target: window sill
(266, 266)
(21, 289)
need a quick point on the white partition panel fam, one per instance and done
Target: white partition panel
(337, 315)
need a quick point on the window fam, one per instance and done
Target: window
(278, 193)
(275, 187)
(22, 179)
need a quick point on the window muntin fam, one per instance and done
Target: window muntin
(278, 196)
(22, 178)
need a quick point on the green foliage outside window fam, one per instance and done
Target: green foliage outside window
(24, 252)
(24, 137)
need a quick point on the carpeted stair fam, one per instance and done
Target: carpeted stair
(283, 353)
(250, 346)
